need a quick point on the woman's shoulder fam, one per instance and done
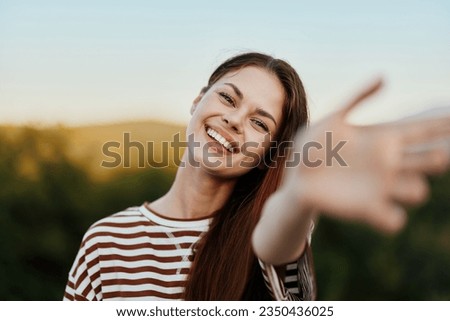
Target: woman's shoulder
(132, 213)
(123, 222)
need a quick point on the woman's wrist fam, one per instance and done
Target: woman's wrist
(294, 192)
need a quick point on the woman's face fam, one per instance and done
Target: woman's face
(234, 122)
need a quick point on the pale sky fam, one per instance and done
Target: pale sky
(82, 62)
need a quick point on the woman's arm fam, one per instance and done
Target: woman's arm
(281, 233)
(377, 171)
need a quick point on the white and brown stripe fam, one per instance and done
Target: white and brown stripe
(139, 255)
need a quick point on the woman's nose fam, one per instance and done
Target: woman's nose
(234, 121)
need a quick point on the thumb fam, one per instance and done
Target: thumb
(365, 93)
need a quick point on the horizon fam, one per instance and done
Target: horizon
(43, 125)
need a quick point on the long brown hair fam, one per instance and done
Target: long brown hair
(224, 266)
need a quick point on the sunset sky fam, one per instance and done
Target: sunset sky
(84, 62)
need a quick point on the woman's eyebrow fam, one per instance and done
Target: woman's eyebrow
(236, 90)
(259, 111)
(264, 113)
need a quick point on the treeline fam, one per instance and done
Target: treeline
(47, 202)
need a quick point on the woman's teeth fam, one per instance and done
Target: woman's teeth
(212, 133)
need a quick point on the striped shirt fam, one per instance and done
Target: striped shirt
(137, 254)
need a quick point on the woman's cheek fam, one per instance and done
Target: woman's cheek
(252, 154)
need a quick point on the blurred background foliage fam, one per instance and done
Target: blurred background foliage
(48, 199)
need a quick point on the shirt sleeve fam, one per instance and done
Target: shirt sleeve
(297, 280)
(84, 277)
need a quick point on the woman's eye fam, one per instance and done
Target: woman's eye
(228, 99)
(261, 124)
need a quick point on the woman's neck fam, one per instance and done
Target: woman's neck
(194, 194)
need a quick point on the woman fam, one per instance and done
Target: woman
(238, 217)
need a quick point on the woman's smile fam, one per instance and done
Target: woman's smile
(227, 144)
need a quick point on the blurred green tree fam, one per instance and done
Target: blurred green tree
(46, 205)
(355, 263)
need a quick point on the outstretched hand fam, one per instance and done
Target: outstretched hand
(380, 171)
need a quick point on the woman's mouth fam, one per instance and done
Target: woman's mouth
(220, 139)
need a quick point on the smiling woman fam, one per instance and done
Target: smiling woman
(240, 111)
(237, 222)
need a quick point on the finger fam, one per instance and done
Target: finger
(415, 132)
(364, 94)
(388, 218)
(432, 158)
(410, 189)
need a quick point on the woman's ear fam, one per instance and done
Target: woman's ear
(198, 98)
(195, 103)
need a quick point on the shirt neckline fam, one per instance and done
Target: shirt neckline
(173, 222)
